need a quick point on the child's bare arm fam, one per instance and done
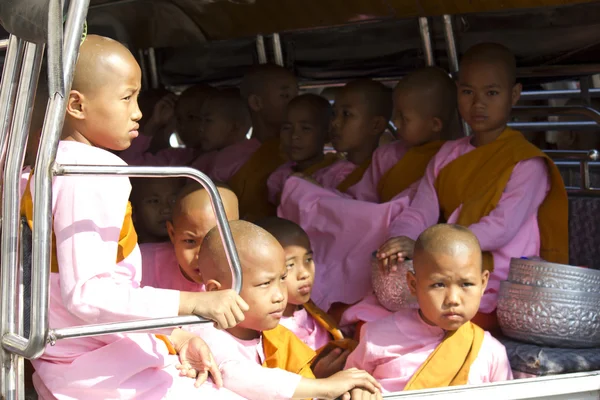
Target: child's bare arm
(340, 384)
(195, 358)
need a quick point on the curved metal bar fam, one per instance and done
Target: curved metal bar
(34, 346)
(581, 155)
(426, 41)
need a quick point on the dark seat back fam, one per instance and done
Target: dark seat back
(584, 231)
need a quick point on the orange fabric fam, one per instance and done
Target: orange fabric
(359, 326)
(127, 238)
(449, 364)
(167, 342)
(476, 181)
(324, 319)
(285, 351)
(328, 159)
(355, 176)
(250, 182)
(409, 169)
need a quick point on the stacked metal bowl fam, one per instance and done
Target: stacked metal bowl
(550, 304)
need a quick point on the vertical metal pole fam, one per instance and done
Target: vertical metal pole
(144, 68)
(153, 68)
(10, 212)
(260, 49)
(426, 40)
(277, 50)
(453, 58)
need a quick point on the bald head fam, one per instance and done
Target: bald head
(447, 239)
(194, 200)
(318, 105)
(100, 58)
(376, 95)
(229, 103)
(283, 230)
(255, 80)
(432, 91)
(492, 54)
(194, 96)
(255, 247)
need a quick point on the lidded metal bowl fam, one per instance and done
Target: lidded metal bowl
(391, 289)
(551, 317)
(554, 276)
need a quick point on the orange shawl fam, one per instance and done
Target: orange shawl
(476, 181)
(285, 351)
(354, 177)
(250, 182)
(328, 159)
(449, 364)
(327, 322)
(409, 169)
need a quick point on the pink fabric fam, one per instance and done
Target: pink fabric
(307, 329)
(204, 161)
(384, 158)
(510, 230)
(172, 157)
(91, 288)
(240, 363)
(393, 348)
(277, 180)
(229, 160)
(139, 146)
(24, 179)
(331, 176)
(366, 310)
(161, 270)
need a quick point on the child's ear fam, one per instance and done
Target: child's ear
(212, 285)
(516, 93)
(171, 231)
(255, 103)
(485, 276)
(379, 125)
(437, 125)
(75, 105)
(412, 282)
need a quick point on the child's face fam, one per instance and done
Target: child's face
(414, 127)
(154, 205)
(215, 129)
(448, 287)
(352, 122)
(112, 112)
(278, 92)
(303, 133)
(486, 96)
(300, 267)
(188, 116)
(186, 234)
(264, 288)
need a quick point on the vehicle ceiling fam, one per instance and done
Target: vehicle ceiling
(200, 40)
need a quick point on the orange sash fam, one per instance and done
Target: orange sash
(449, 364)
(355, 176)
(327, 322)
(127, 237)
(409, 169)
(328, 159)
(250, 182)
(476, 181)
(285, 351)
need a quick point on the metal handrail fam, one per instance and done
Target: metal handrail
(581, 155)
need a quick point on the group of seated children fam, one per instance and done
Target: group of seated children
(459, 209)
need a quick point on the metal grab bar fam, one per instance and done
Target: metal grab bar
(554, 126)
(581, 155)
(426, 41)
(537, 111)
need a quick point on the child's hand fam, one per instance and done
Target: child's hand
(330, 363)
(164, 110)
(196, 359)
(344, 382)
(394, 251)
(361, 394)
(224, 307)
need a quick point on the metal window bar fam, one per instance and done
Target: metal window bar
(584, 158)
(277, 49)
(426, 41)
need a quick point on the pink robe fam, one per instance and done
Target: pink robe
(277, 180)
(367, 310)
(92, 288)
(228, 161)
(345, 232)
(330, 177)
(137, 154)
(240, 363)
(510, 230)
(307, 329)
(161, 270)
(23, 181)
(393, 348)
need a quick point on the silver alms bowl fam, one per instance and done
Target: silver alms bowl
(556, 276)
(550, 317)
(391, 289)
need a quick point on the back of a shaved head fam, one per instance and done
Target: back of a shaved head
(255, 79)
(377, 96)
(194, 198)
(229, 102)
(495, 54)
(95, 66)
(281, 228)
(446, 239)
(434, 90)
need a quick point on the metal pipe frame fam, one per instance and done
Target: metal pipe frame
(556, 126)
(261, 51)
(426, 41)
(277, 50)
(4, 44)
(154, 80)
(222, 224)
(535, 111)
(557, 94)
(579, 155)
(33, 346)
(11, 266)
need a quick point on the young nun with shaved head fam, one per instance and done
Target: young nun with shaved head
(436, 345)
(96, 264)
(506, 190)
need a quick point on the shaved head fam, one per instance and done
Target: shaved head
(433, 92)
(229, 103)
(255, 80)
(492, 54)
(318, 105)
(447, 239)
(376, 95)
(100, 58)
(254, 246)
(282, 229)
(195, 200)
(195, 96)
